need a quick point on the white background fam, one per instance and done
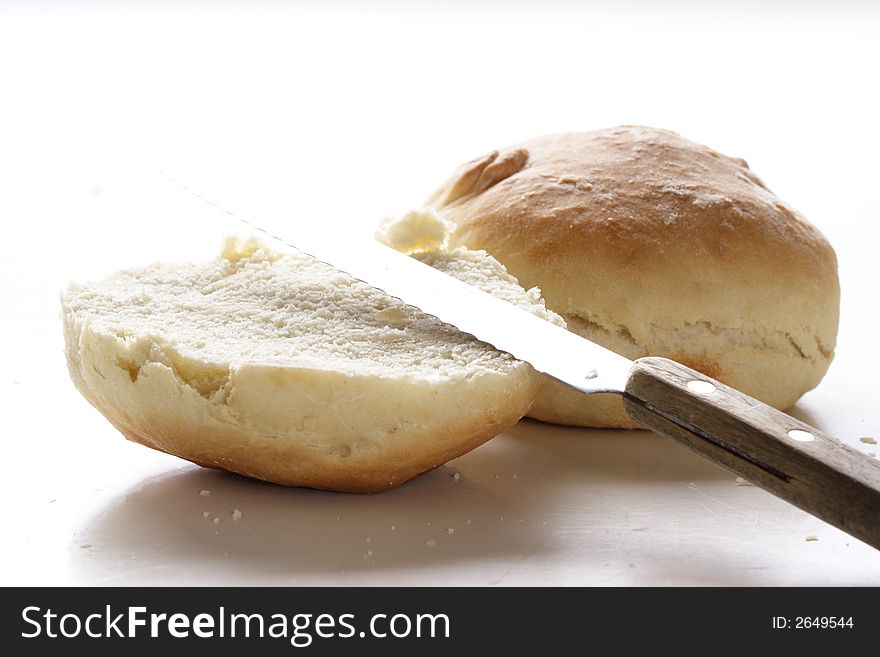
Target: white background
(342, 113)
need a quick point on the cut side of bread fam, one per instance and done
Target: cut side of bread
(279, 367)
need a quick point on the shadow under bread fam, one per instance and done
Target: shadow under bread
(502, 500)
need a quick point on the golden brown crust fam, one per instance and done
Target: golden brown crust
(290, 465)
(479, 175)
(652, 244)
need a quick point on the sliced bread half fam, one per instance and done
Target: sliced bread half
(278, 367)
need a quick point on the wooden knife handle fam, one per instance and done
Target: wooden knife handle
(771, 449)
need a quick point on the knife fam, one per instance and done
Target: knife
(794, 461)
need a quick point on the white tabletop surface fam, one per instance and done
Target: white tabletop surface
(343, 116)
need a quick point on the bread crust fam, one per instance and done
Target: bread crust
(651, 244)
(367, 445)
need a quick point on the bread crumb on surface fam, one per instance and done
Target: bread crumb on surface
(204, 493)
(216, 520)
(811, 538)
(205, 514)
(236, 515)
(430, 543)
(743, 482)
(868, 440)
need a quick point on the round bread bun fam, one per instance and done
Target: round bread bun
(281, 368)
(650, 244)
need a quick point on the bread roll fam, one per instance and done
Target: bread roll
(650, 244)
(281, 368)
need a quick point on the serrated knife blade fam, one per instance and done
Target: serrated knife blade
(548, 348)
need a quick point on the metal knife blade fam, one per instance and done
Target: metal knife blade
(550, 349)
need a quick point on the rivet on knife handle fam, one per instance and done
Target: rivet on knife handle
(771, 449)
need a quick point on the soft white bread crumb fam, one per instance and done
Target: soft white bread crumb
(424, 234)
(284, 369)
(418, 231)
